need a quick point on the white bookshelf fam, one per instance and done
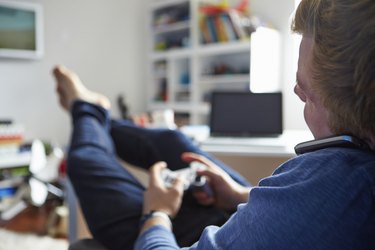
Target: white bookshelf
(180, 78)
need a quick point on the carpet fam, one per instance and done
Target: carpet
(18, 241)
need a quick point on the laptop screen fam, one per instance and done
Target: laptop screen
(246, 114)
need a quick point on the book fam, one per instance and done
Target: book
(11, 182)
(7, 191)
(237, 21)
(15, 159)
(10, 134)
(212, 29)
(228, 26)
(220, 29)
(205, 32)
(13, 173)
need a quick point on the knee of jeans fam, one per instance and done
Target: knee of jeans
(172, 135)
(76, 161)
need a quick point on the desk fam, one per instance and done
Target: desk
(255, 158)
(281, 146)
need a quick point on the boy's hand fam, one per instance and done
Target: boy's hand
(159, 197)
(227, 193)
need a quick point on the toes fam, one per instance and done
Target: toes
(58, 71)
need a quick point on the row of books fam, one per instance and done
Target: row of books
(225, 27)
(14, 169)
(11, 136)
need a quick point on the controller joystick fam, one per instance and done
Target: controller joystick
(191, 179)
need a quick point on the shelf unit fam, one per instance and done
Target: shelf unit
(182, 69)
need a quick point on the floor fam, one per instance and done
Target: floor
(41, 221)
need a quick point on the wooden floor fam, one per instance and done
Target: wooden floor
(37, 220)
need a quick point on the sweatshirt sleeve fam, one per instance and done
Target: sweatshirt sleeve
(156, 237)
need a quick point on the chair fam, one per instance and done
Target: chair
(86, 244)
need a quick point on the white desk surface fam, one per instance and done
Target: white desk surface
(281, 146)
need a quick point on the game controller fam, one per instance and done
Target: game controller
(192, 181)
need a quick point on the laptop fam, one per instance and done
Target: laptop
(245, 114)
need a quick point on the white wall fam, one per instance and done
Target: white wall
(103, 40)
(278, 12)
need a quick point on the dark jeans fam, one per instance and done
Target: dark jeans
(110, 197)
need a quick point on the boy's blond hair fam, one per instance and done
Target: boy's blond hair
(343, 60)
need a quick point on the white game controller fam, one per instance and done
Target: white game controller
(191, 179)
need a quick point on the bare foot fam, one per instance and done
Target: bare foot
(70, 88)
